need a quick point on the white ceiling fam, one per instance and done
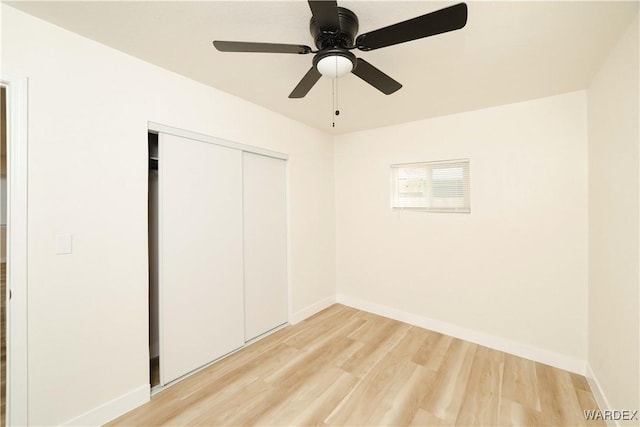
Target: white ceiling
(508, 52)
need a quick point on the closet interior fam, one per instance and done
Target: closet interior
(154, 349)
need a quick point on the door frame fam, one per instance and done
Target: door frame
(16, 312)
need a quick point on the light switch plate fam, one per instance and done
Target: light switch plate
(63, 244)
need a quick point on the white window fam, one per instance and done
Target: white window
(441, 186)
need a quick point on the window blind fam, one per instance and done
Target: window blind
(439, 186)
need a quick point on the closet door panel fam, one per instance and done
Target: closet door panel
(200, 254)
(265, 244)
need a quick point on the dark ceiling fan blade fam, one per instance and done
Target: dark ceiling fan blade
(441, 21)
(306, 83)
(325, 13)
(375, 77)
(226, 46)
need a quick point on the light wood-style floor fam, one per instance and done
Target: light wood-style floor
(348, 367)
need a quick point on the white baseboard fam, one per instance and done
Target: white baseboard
(598, 393)
(492, 341)
(113, 409)
(314, 308)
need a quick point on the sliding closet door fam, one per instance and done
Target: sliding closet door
(265, 244)
(200, 254)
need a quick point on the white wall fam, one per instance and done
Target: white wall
(614, 278)
(514, 270)
(88, 112)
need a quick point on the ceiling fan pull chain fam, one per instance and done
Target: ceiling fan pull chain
(334, 89)
(335, 111)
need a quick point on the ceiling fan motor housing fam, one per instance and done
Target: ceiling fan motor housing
(336, 37)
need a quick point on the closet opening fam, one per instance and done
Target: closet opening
(154, 347)
(217, 218)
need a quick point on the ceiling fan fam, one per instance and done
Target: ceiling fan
(334, 31)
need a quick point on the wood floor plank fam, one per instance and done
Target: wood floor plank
(424, 418)
(364, 360)
(368, 394)
(324, 327)
(436, 348)
(376, 329)
(565, 397)
(481, 405)
(399, 408)
(588, 403)
(293, 401)
(447, 391)
(319, 410)
(520, 383)
(292, 373)
(402, 400)
(516, 414)
(343, 366)
(545, 385)
(224, 408)
(411, 344)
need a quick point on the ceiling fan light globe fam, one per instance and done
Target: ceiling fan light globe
(334, 66)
